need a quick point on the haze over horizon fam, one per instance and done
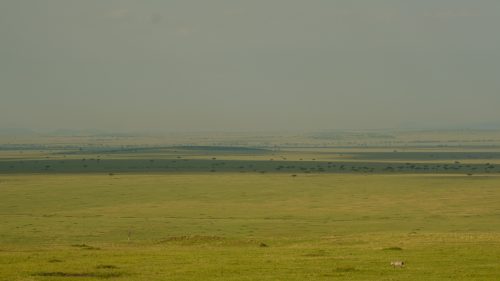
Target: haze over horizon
(249, 65)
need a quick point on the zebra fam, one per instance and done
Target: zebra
(399, 264)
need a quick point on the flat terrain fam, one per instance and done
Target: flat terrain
(204, 159)
(200, 213)
(249, 227)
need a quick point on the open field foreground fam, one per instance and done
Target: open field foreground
(248, 226)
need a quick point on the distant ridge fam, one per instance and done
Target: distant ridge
(17, 132)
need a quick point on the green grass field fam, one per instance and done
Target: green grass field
(232, 226)
(237, 213)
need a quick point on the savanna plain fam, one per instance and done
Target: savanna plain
(238, 211)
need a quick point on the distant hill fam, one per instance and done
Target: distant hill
(74, 133)
(16, 132)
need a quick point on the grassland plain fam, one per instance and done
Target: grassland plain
(97, 165)
(244, 226)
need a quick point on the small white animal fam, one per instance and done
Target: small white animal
(397, 264)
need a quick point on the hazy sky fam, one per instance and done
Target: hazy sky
(249, 65)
